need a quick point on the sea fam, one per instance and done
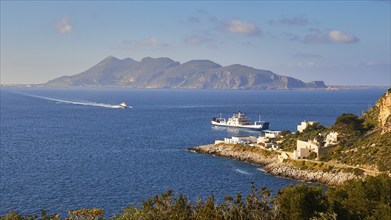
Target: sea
(68, 149)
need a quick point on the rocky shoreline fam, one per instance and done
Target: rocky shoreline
(272, 165)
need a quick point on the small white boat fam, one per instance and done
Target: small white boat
(123, 105)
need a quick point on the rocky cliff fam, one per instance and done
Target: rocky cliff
(166, 73)
(384, 106)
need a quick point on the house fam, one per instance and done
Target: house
(305, 148)
(304, 125)
(331, 138)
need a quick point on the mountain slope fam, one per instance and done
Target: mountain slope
(166, 73)
(372, 147)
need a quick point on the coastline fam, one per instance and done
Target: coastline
(327, 88)
(274, 165)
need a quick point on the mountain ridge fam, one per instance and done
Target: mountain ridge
(164, 72)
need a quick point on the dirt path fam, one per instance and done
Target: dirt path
(334, 164)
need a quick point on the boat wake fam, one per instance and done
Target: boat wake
(77, 103)
(262, 170)
(242, 172)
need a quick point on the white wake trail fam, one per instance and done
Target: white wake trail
(76, 103)
(242, 172)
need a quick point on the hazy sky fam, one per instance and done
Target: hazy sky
(340, 42)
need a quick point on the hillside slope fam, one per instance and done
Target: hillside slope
(367, 144)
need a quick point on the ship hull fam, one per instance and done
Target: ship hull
(260, 127)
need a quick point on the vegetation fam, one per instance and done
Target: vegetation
(285, 133)
(370, 118)
(369, 199)
(350, 128)
(357, 199)
(373, 150)
(299, 202)
(360, 142)
(324, 167)
(88, 214)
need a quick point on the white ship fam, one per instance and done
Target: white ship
(240, 120)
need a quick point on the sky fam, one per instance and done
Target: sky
(339, 42)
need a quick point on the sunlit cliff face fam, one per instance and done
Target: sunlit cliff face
(384, 105)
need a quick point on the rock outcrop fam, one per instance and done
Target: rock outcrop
(329, 178)
(272, 165)
(384, 106)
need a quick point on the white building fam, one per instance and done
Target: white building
(272, 134)
(305, 148)
(240, 140)
(304, 125)
(331, 138)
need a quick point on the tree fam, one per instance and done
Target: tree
(362, 199)
(285, 133)
(299, 202)
(350, 127)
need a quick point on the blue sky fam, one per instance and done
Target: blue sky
(340, 42)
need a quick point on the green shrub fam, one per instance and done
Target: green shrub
(357, 199)
(299, 202)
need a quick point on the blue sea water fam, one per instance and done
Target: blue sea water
(60, 156)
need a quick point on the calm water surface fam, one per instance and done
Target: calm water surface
(60, 156)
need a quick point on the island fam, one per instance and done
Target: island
(164, 72)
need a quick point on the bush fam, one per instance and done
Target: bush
(285, 133)
(300, 202)
(350, 127)
(313, 155)
(361, 199)
(357, 199)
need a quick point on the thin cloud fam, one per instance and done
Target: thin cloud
(341, 37)
(64, 26)
(316, 37)
(292, 37)
(307, 56)
(332, 36)
(194, 20)
(296, 21)
(305, 64)
(151, 42)
(240, 27)
(301, 65)
(196, 40)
